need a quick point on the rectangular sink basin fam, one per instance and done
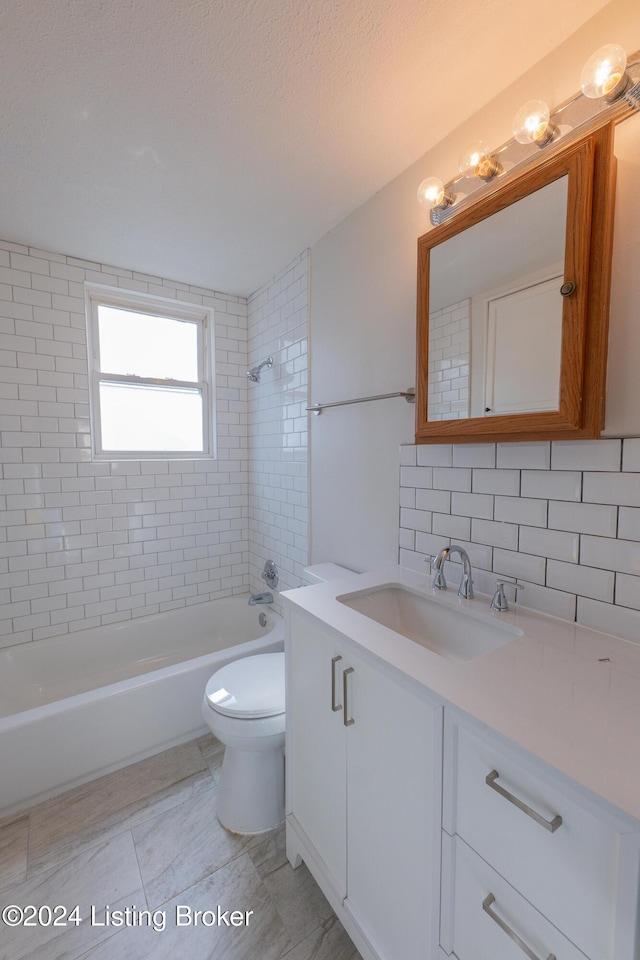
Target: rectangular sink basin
(452, 632)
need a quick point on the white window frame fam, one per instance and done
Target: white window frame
(97, 295)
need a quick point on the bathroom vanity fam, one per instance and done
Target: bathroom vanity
(475, 799)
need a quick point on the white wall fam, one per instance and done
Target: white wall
(363, 313)
(623, 384)
(81, 543)
(362, 342)
(278, 475)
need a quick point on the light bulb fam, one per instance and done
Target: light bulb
(603, 75)
(531, 124)
(432, 194)
(477, 161)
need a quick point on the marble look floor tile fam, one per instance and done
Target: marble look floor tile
(270, 851)
(236, 886)
(183, 845)
(329, 942)
(13, 851)
(82, 851)
(107, 874)
(212, 753)
(116, 802)
(300, 902)
(298, 899)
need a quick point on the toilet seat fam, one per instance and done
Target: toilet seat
(248, 689)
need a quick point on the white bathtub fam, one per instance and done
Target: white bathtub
(76, 707)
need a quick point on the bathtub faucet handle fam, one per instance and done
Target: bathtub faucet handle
(270, 574)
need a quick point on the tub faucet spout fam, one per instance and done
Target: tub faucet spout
(260, 598)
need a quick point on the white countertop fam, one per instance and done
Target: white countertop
(567, 694)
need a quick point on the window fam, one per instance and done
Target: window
(151, 376)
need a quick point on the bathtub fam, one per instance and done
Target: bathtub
(75, 707)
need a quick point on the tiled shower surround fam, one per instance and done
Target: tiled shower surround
(83, 544)
(278, 482)
(563, 518)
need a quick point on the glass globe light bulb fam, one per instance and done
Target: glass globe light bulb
(431, 193)
(477, 161)
(603, 75)
(531, 123)
(472, 156)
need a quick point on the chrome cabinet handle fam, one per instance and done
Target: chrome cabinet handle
(550, 825)
(346, 719)
(334, 706)
(486, 906)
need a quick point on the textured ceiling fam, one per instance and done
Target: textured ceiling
(212, 141)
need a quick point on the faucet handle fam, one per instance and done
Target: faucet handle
(465, 590)
(499, 600)
(438, 582)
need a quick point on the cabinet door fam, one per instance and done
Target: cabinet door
(317, 744)
(393, 804)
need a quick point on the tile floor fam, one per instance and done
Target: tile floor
(146, 838)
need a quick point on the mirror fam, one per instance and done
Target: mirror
(503, 354)
(495, 311)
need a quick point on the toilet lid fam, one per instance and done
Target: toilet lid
(251, 687)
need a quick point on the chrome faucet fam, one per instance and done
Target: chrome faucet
(260, 598)
(465, 590)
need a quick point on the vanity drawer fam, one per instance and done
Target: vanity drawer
(554, 851)
(489, 920)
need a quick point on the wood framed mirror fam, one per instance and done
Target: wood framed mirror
(513, 305)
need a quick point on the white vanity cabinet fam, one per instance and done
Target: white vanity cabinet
(442, 809)
(363, 790)
(531, 867)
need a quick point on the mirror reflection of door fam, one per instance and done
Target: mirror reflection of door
(522, 357)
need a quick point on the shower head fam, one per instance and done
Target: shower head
(254, 373)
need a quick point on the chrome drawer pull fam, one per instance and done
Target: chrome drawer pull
(486, 906)
(550, 825)
(346, 719)
(334, 706)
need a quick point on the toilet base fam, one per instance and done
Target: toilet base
(251, 790)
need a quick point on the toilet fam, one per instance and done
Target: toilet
(244, 707)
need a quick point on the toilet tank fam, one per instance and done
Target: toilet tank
(321, 572)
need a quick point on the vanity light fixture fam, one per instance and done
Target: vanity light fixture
(477, 161)
(610, 90)
(532, 124)
(433, 196)
(604, 75)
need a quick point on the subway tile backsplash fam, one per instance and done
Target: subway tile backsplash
(563, 518)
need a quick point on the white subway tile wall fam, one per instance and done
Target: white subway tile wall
(278, 482)
(449, 346)
(562, 518)
(84, 544)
